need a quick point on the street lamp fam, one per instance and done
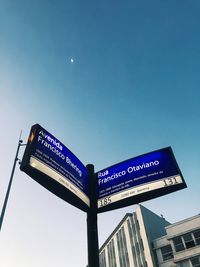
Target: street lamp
(20, 143)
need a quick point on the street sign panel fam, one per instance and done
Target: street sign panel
(55, 167)
(138, 179)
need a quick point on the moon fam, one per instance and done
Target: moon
(72, 60)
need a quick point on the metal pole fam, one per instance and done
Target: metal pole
(92, 227)
(10, 182)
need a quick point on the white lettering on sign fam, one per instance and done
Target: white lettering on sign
(143, 166)
(51, 140)
(55, 147)
(102, 174)
(104, 178)
(112, 177)
(49, 146)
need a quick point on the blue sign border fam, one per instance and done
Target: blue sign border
(158, 169)
(55, 167)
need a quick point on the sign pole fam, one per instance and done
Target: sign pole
(92, 227)
(10, 182)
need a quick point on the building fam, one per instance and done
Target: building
(130, 244)
(181, 245)
(144, 239)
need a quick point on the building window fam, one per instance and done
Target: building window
(178, 244)
(167, 252)
(189, 242)
(122, 247)
(132, 234)
(138, 225)
(102, 259)
(197, 237)
(184, 264)
(141, 242)
(195, 261)
(111, 254)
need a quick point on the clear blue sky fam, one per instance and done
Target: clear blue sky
(133, 87)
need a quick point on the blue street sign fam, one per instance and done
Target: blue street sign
(54, 166)
(138, 179)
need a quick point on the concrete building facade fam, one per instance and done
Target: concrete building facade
(129, 245)
(144, 239)
(181, 245)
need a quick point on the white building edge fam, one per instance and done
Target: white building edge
(144, 239)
